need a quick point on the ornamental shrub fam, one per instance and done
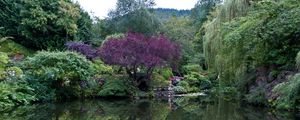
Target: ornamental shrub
(137, 52)
(82, 48)
(57, 75)
(197, 81)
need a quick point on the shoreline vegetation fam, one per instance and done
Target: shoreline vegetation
(237, 50)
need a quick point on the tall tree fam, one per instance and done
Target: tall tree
(127, 6)
(182, 30)
(133, 15)
(85, 24)
(201, 10)
(135, 51)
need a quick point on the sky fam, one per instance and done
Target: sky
(100, 8)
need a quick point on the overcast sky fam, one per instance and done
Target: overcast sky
(100, 8)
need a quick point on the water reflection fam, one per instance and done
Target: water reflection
(178, 109)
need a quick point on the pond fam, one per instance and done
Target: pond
(183, 108)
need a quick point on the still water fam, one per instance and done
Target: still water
(184, 108)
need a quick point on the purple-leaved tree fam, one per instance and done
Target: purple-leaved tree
(135, 51)
(84, 49)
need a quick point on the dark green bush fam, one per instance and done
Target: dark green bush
(57, 75)
(114, 88)
(117, 87)
(257, 96)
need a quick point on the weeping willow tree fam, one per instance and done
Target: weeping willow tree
(243, 35)
(214, 33)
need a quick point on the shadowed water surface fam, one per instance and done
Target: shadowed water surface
(178, 109)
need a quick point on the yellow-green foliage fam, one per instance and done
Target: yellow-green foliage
(101, 68)
(161, 77)
(213, 38)
(114, 36)
(192, 68)
(15, 72)
(8, 72)
(159, 81)
(3, 61)
(12, 48)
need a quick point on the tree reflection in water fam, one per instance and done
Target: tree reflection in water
(178, 109)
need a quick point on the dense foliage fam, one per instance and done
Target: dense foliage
(164, 14)
(57, 75)
(44, 24)
(252, 47)
(132, 15)
(14, 91)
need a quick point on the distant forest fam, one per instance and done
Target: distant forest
(166, 13)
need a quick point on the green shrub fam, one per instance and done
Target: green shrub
(101, 68)
(11, 48)
(14, 94)
(289, 93)
(113, 36)
(115, 88)
(184, 84)
(166, 73)
(159, 80)
(192, 68)
(182, 87)
(257, 96)
(14, 72)
(3, 62)
(197, 81)
(179, 89)
(57, 75)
